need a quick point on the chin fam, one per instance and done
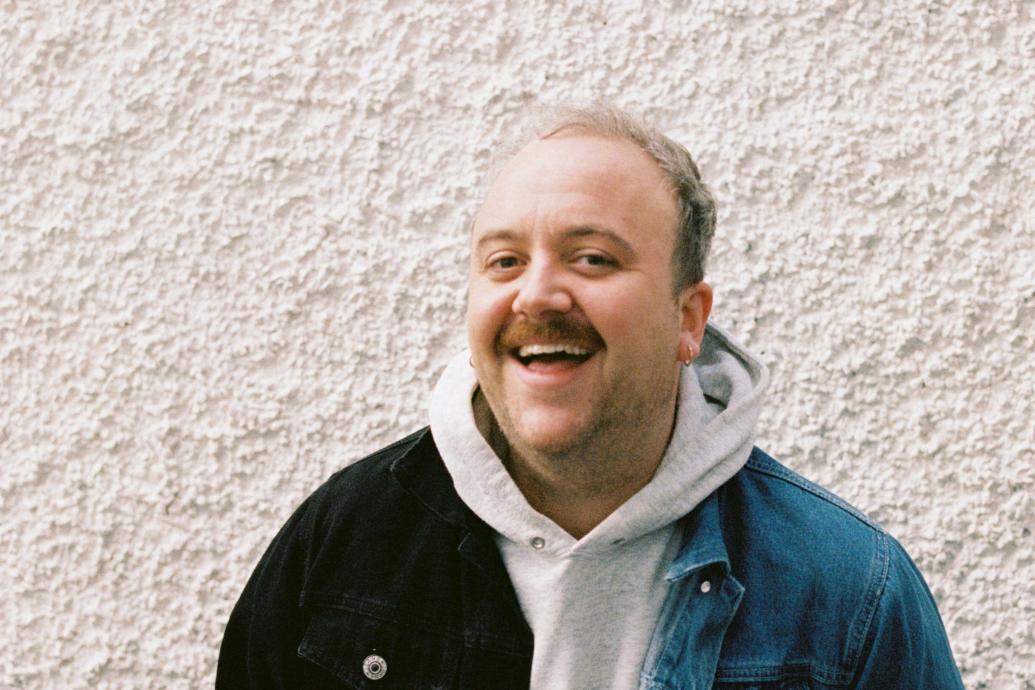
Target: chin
(553, 436)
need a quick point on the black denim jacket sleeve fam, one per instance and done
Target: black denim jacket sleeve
(384, 559)
(259, 644)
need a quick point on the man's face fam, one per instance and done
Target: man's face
(574, 332)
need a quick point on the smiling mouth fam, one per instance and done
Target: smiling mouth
(540, 356)
(550, 346)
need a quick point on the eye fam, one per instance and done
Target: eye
(502, 262)
(595, 259)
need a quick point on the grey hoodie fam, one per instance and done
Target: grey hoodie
(592, 603)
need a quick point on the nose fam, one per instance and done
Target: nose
(541, 292)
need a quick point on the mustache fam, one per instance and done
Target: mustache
(520, 332)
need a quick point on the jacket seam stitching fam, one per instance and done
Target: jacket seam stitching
(790, 477)
(422, 624)
(862, 629)
(791, 670)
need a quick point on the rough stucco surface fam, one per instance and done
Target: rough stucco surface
(232, 260)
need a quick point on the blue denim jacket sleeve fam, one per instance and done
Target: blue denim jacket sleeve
(828, 598)
(907, 648)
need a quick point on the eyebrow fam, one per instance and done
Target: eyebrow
(590, 230)
(494, 236)
(576, 232)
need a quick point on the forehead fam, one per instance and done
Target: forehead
(580, 179)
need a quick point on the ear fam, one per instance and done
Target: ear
(695, 305)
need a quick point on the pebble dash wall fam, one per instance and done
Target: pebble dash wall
(232, 260)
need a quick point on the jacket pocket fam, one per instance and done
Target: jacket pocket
(361, 651)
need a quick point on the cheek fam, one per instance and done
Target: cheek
(637, 320)
(618, 309)
(487, 310)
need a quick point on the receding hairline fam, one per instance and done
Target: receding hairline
(681, 175)
(661, 182)
(577, 131)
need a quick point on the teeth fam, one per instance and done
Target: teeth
(530, 350)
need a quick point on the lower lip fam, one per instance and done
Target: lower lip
(550, 376)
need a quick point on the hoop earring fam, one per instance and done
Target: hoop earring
(689, 356)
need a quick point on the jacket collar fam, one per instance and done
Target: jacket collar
(421, 472)
(703, 544)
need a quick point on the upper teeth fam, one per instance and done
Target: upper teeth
(529, 350)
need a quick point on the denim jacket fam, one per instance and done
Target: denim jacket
(383, 578)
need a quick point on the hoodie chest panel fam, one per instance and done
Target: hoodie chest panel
(592, 615)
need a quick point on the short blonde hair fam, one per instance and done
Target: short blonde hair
(695, 201)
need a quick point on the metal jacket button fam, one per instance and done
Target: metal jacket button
(706, 586)
(375, 667)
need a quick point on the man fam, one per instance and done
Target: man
(587, 509)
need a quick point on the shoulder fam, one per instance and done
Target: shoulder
(789, 503)
(773, 512)
(364, 527)
(368, 479)
(767, 496)
(823, 582)
(369, 560)
(381, 498)
(833, 533)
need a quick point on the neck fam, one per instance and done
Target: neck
(580, 487)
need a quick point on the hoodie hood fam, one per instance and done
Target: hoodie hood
(720, 398)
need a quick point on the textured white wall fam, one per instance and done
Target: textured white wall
(232, 257)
